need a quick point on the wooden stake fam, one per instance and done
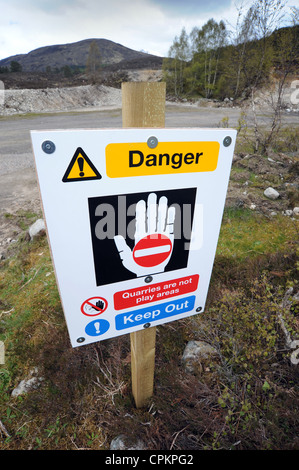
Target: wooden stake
(143, 105)
(143, 348)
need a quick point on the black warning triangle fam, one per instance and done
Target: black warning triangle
(81, 168)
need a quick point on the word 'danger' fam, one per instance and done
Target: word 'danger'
(166, 158)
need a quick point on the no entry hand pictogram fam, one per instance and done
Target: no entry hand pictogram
(154, 237)
(94, 306)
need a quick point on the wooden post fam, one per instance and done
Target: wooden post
(143, 105)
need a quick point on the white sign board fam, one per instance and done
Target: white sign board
(133, 218)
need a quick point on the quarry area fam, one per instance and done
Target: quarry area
(102, 97)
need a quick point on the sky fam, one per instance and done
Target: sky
(148, 25)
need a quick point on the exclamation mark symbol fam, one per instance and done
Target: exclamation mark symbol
(81, 164)
(97, 327)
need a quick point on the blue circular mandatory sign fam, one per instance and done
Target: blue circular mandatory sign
(97, 327)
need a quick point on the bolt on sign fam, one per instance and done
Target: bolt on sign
(133, 218)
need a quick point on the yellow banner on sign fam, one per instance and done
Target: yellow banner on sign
(137, 159)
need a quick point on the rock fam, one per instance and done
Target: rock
(123, 442)
(36, 229)
(296, 211)
(195, 354)
(49, 100)
(271, 193)
(288, 212)
(31, 382)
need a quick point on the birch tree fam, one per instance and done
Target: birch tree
(207, 43)
(174, 67)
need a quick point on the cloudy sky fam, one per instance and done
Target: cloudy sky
(148, 25)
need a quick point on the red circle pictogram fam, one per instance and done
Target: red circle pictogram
(152, 250)
(94, 306)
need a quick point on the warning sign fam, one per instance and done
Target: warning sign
(80, 168)
(134, 247)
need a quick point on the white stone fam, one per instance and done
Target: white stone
(289, 212)
(296, 211)
(123, 442)
(37, 228)
(195, 353)
(271, 193)
(27, 384)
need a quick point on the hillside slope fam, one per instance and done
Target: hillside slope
(75, 55)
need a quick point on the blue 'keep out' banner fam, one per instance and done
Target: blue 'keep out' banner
(155, 312)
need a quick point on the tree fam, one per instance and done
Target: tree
(174, 67)
(216, 62)
(286, 55)
(268, 16)
(241, 53)
(207, 44)
(93, 64)
(15, 66)
(67, 71)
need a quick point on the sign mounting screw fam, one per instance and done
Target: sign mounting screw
(152, 142)
(227, 141)
(48, 146)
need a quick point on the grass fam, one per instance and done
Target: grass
(284, 140)
(245, 233)
(14, 117)
(246, 398)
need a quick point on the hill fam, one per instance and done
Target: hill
(75, 55)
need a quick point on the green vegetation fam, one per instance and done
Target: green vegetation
(254, 235)
(14, 67)
(215, 62)
(245, 398)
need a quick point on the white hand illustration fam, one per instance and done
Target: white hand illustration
(153, 238)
